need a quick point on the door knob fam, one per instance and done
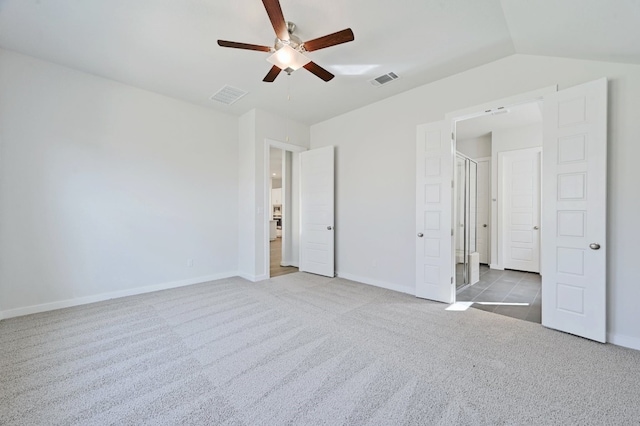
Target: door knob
(536, 227)
(484, 226)
(329, 228)
(420, 234)
(594, 246)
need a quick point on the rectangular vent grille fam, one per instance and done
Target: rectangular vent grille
(228, 95)
(384, 79)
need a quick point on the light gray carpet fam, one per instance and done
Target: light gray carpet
(303, 349)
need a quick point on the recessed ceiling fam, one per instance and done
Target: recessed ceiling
(169, 47)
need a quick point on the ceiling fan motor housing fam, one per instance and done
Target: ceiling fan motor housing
(294, 41)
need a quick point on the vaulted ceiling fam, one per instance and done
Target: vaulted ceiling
(169, 46)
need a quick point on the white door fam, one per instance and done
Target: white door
(434, 171)
(484, 194)
(520, 174)
(316, 211)
(574, 227)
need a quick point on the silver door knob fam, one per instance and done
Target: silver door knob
(536, 227)
(329, 228)
(420, 234)
(594, 246)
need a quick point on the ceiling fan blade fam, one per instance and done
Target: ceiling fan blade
(277, 18)
(318, 71)
(236, 45)
(340, 37)
(272, 74)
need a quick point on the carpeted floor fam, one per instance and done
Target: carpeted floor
(303, 349)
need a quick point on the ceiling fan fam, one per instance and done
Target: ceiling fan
(288, 50)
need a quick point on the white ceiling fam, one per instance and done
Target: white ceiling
(169, 46)
(522, 115)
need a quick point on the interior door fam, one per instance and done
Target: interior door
(574, 227)
(317, 211)
(434, 174)
(520, 173)
(484, 190)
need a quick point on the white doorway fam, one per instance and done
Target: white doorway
(282, 201)
(304, 206)
(512, 286)
(573, 232)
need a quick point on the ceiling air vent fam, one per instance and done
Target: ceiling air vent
(384, 79)
(228, 95)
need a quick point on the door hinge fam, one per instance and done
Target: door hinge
(453, 137)
(452, 232)
(451, 280)
(452, 184)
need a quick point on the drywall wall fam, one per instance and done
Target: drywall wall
(375, 174)
(522, 137)
(475, 148)
(256, 128)
(107, 190)
(247, 185)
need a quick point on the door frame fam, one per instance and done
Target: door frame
(449, 133)
(295, 150)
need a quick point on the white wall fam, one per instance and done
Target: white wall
(522, 137)
(256, 126)
(475, 148)
(108, 190)
(375, 176)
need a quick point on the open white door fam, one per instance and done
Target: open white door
(574, 210)
(434, 171)
(316, 211)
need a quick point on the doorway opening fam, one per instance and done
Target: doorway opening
(306, 210)
(281, 205)
(279, 213)
(497, 198)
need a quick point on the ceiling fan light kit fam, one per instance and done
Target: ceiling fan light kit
(289, 49)
(288, 59)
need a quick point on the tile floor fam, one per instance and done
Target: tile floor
(505, 287)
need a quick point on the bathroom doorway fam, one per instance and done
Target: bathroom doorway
(501, 209)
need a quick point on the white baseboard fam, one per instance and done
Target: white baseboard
(51, 306)
(494, 266)
(253, 278)
(626, 341)
(376, 283)
(288, 263)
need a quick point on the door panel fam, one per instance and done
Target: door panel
(317, 211)
(434, 167)
(575, 157)
(520, 171)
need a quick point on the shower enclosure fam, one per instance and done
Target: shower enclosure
(467, 260)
